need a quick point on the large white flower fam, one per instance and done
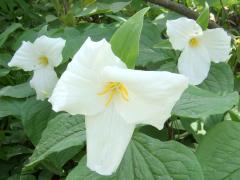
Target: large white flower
(198, 47)
(113, 99)
(41, 57)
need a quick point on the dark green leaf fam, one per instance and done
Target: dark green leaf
(8, 31)
(18, 91)
(220, 79)
(125, 41)
(10, 106)
(219, 152)
(199, 103)
(203, 19)
(148, 158)
(4, 72)
(150, 36)
(62, 132)
(35, 116)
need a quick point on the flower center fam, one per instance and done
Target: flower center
(43, 60)
(114, 88)
(193, 42)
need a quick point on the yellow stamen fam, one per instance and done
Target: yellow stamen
(193, 42)
(124, 92)
(43, 60)
(114, 88)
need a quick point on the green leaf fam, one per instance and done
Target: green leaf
(219, 152)
(169, 66)
(4, 72)
(125, 41)
(148, 158)
(234, 114)
(150, 36)
(27, 177)
(99, 31)
(163, 44)
(203, 18)
(35, 115)
(220, 79)
(18, 91)
(62, 132)
(28, 35)
(14, 150)
(9, 106)
(8, 31)
(199, 103)
(56, 160)
(74, 41)
(100, 6)
(217, 3)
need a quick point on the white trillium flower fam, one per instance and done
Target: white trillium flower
(113, 99)
(41, 57)
(198, 47)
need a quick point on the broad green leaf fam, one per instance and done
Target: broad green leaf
(8, 31)
(9, 106)
(18, 91)
(99, 31)
(4, 59)
(35, 116)
(14, 150)
(150, 36)
(55, 161)
(220, 79)
(4, 72)
(219, 152)
(163, 44)
(100, 6)
(75, 38)
(28, 35)
(74, 41)
(203, 18)
(125, 41)
(199, 103)
(148, 158)
(62, 132)
(169, 66)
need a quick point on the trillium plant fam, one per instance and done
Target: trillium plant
(198, 47)
(41, 57)
(114, 99)
(107, 90)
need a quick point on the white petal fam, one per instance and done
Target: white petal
(151, 94)
(181, 30)
(25, 57)
(108, 136)
(50, 47)
(95, 56)
(218, 44)
(78, 88)
(76, 93)
(195, 64)
(44, 81)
